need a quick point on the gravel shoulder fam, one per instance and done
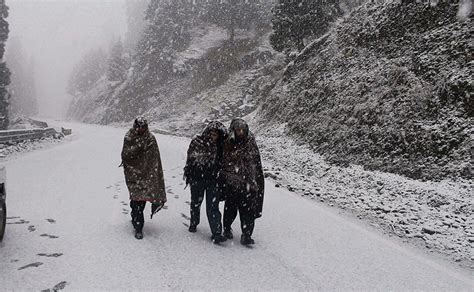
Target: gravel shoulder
(437, 216)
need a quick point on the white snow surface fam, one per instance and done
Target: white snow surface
(76, 192)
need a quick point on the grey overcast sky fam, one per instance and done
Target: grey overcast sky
(57, 33)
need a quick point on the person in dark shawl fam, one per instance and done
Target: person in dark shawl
(203, 163)
(143, 172)
(242, 179)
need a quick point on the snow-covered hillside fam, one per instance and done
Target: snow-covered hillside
(388, 88)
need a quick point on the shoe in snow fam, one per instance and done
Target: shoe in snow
(217, 238)
(138, 234)
(192, 228)
(228, 234)
(246, 240)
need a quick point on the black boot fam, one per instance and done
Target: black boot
(246, 240)
(192, 228)
(217, 238)
(228, 233)
(138, 234)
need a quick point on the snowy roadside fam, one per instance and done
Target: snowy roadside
(436, 215)
(27, 146)
(14, 149)
(300, 245)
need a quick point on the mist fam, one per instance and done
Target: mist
(57, 33)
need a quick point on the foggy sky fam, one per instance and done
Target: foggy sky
(57, 33)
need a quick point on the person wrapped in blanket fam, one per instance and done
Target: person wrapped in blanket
(204, 159)
(143, 172)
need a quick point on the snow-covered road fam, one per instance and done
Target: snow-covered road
(68, 216)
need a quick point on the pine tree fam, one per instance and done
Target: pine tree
(167, 32)
(87, 72)
(21, 89)
(294, 21)
(14, 57)
(135, 22)
(118, 64)
(4, 72)
(233, 14)
(32, 108)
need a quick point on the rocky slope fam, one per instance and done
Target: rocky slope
(390, 88)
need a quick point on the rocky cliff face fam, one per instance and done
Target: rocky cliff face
(389, 88)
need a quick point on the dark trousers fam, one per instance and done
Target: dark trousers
(211, 191)
(239, 201)
(137, 214)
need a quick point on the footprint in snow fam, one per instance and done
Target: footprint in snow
(188, 203)
(186, 224)
(33, 265)
(170, 191)
(31, 228)
(51, 221)
(22, 221)
(115, 196)
(185, 216)
(109, 187)
(176, 196)
(9, 218)
(50, 255)
(57, 287)
(49, 236)
(14, 261)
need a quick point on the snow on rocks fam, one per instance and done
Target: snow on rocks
(437, 215)
(26, 146)
(8, 149)
(204, 39)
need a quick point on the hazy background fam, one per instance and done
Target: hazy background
(57, 33)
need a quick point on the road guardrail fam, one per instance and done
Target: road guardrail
(15, 136)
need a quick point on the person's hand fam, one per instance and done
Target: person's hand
(253, 188)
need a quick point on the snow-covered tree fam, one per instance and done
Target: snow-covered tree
(295, 21)
(118, 63)
(30, 80)
(22, 87)
(87, 72)
(167, 32)
(233, 14)
(136, 23)
(4, 72)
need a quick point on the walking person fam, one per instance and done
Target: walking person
(243, 180)
(143, 172)
(203, 162)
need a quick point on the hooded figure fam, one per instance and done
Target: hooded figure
(242, 179)
(201, 172)
(143, 172)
